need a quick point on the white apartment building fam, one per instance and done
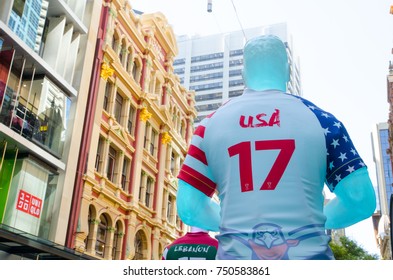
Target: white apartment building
(212, 65)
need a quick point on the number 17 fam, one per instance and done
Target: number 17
(243, 149)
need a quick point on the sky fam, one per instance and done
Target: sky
(343, 47)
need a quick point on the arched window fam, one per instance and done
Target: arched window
(136, 70)
(138, 243)
(183, 129)
(107, 97)
(101, 236)
(129, 61)
(123, 52)
(114, 42)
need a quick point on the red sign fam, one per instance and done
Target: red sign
(29, 204)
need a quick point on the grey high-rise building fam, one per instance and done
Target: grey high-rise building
(212, 65)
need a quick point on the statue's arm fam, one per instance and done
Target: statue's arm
(355, 201)
(197, 209)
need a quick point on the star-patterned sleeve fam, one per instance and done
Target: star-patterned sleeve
(341, 156)
(195, 169)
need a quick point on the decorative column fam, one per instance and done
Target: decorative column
(155, 243)
(92, 238)
(109, 243)
(164, 140)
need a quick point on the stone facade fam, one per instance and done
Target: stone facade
(139, 135)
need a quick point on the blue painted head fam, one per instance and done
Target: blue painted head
(265, 63)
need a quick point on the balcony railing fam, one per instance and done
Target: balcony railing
(43, 122)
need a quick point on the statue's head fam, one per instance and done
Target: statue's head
(265, 63)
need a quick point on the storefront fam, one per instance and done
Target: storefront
(27, 199)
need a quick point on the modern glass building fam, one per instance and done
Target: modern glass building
(46, 57)
(27, 20)
(212, 65)
(383, 165)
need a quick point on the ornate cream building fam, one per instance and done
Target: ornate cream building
(139, 131)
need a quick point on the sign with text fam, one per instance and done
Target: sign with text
(29, 204)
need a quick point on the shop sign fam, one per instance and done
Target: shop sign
(29, 204)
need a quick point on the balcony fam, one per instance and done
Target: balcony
(37, 112)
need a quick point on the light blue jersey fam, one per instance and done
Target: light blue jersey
(267, 155)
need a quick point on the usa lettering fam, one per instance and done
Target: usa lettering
(260, 120)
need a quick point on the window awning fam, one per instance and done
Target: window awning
(28, 246)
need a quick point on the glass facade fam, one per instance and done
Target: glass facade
(32, 103)
(387, 166)
(31, 196)
(27, 21)
(35, 108)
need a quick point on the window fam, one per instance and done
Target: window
(173, 163)
(153, 138)
(121, 54)
(178, 221)
(141, 187)
(208, 107)
(237, 72)
(130, 122)
(136, 69)
(236, 52)
(138, 244)
(124, 174)
(18, 7)
(179, 61)
(211, 96)
(114, 43)
(183, 129)
(149, 192)
(236, 62)
(101, 236)
(205, 67)
(110, 172)
(158, 91)
(206, 86)
(169, 214)
(207, 57)
(107, 96)
(118, 107)
(99, 157)
(234, 93)
(204, 77)
(146, 138)
(179, 71)
(236, 83)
